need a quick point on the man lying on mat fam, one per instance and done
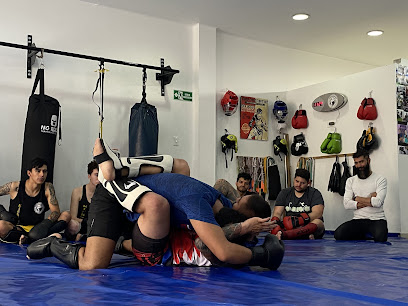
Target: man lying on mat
(177, 200)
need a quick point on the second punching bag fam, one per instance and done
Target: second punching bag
(143, 129)
(41, 128)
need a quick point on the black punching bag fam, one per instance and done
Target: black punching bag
(40, 134)
(143, 130)
(143, 126)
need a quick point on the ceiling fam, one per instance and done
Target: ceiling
(336, 28)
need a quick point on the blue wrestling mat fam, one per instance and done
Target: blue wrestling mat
(319, 272)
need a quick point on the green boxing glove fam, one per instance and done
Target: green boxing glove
(323, 147)
(334, 146)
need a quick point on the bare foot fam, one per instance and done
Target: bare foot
(311, 237)
(108, 171)
(58, 235)
(23, 240)
(279, 235)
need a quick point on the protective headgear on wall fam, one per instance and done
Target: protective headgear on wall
(280, 110)
(229, 103)
(229, 142)
(280, 146)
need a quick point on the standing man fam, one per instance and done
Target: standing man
(80, 201)
(29, 200)
(365, 195)
(243, 184)
(303, 206)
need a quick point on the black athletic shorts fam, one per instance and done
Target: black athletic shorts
(106, 217)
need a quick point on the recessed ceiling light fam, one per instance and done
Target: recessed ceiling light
(300, 16)
(375, 33)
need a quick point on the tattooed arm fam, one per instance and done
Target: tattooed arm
(10, 188)
(226, 189)
(251, 226)
(231, 232)
(52, 202)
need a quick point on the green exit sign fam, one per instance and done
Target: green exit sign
(183, 95)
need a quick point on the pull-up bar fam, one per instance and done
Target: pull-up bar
(165, 76)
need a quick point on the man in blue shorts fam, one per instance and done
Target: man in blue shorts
(191, 203)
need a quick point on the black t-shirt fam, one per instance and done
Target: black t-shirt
(294, 205)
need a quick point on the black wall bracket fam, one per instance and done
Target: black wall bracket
(165, 76)
(31, 56)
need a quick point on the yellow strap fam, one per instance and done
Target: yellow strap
(103, 70)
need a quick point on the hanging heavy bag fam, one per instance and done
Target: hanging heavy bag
(367, 110)
(334, 181)
(346, 174)
(299, 120)
(40, 133)
(143, 129)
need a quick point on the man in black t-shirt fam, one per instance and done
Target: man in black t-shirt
(303, 207)
(29, 200)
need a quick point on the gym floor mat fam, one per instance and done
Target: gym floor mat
(317, 272)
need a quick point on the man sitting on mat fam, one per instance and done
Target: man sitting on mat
(365, 194)
(178, 200)
(243, 184)
(303, 207)
(29, 200)
(80, 201)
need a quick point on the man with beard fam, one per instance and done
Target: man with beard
(303, 207)
(243, 184)
(365, 194)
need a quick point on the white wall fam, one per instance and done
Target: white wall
(384, 160)
(204, 108)
(264, 70)
(80, 27)
(403, 179)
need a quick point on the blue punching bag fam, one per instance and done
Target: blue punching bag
(143, 126)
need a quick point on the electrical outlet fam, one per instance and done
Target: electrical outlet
(175, 141)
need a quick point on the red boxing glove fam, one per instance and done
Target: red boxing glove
(279, 226)
(367, 110)
(292, 222)
(370, 110)
(299, 120)
(275, 218)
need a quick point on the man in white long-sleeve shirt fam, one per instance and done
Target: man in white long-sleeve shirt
(365, 194)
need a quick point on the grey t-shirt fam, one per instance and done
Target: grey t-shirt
(294, 205)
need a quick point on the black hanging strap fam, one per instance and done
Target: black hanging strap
(99, 83)
(144, 79)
